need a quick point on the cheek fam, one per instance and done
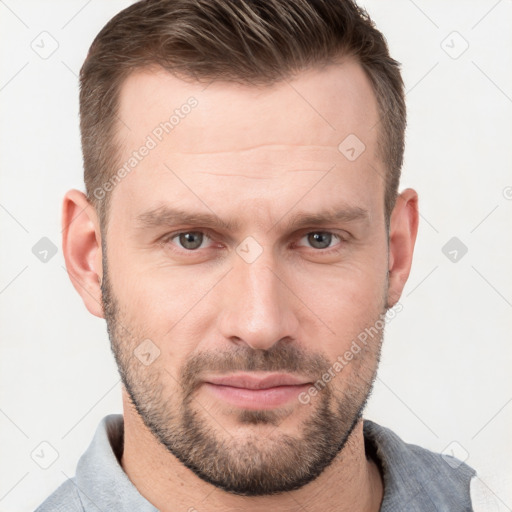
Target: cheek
(154, 292)
(170, 306)
(344, 301)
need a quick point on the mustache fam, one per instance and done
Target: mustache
(280, 357)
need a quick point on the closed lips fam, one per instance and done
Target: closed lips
(252, 381)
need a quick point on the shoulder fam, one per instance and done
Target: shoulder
(97, 472)
(64, 499)
(416, 478)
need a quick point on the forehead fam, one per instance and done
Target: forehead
(317, 107)
(259, 142)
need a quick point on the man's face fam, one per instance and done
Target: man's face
(260, 293)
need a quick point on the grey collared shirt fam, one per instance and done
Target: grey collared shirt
(415, 479)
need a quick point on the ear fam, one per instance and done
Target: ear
(403, 229)
(81, 245)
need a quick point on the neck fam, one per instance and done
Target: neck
(350, 482)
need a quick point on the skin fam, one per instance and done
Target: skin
(255, 155)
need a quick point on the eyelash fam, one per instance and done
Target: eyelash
(170, 237)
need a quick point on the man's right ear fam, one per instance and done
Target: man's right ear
(81, 245)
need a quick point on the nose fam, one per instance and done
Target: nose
(257, 304)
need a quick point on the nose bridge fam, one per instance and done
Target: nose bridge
(257, 306)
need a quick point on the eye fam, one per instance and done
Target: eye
(191, 241)
(321, 239)
(188, 240)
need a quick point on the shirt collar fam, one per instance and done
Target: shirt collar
(104, 485)
(101, 481)
(415, 478)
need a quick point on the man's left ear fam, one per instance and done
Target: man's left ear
(403, 229)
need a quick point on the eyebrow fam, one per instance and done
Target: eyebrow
(170, 216)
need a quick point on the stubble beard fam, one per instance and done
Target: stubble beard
(253, 465)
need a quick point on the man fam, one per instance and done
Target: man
(243, 237)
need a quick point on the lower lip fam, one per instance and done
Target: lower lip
(256, 398)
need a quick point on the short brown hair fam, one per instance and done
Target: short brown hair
(246, 41)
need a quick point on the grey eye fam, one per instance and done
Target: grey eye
(191, 239)
(320, 239)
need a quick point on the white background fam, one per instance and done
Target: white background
(445, 373)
